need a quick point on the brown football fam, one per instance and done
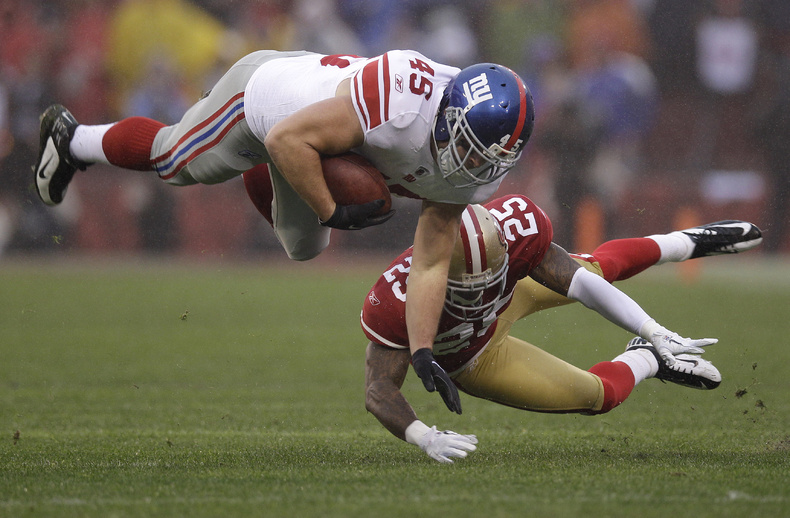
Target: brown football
(353, 180)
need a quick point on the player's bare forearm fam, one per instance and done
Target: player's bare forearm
(556, 269)
(434, 240)
(385, 370)
(301, 167)
(296, 144)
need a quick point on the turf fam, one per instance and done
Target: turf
(236, 390)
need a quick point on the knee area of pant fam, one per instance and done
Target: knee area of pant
(304, 253)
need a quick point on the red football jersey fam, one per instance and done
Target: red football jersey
(529, 234)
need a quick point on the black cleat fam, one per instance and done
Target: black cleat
(55, 166)
(723, 237)
(688, 370)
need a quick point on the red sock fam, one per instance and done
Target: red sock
(618, 382)
(259, 188)
(624, 258)
(128, 143)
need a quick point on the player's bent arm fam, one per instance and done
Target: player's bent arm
(385, 370)
(434, 240)
(296, 144)
(556, 270)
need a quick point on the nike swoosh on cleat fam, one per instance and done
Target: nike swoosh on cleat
(743, 226)
(49, 154)
(41, 172)
(746, 227)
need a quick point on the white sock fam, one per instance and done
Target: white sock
(86, 146)
(641, 362)
(675, 247)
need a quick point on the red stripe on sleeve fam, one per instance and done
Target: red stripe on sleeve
(360, 105)
(370, 92)
(386, 72)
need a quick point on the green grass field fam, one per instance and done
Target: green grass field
(237, 390)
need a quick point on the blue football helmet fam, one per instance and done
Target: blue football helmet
(488, 111)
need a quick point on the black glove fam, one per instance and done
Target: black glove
(355, 217)
(434, 377)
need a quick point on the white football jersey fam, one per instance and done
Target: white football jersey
(396, 97)
(281, 87)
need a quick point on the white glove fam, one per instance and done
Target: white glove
(668, 343)
(440, 445)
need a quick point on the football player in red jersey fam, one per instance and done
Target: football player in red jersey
(504, 268)
(437, 133)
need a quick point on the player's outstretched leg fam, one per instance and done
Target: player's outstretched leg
(621, 259)
(688, 370)
(721, 237)
(56, 166)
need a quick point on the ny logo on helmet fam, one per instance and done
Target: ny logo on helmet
(476, 90)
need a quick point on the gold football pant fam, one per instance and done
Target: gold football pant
(516, 373)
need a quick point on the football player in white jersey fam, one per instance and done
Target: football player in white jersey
(504, 268)
(442, 135)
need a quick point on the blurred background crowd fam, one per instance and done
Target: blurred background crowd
(649, 113)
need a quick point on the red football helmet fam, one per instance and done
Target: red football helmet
(478, 268)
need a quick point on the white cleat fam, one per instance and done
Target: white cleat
(688, 370)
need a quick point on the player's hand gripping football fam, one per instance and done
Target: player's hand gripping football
(669, 343)
(435, 378)
(441, 445)
(355, 217)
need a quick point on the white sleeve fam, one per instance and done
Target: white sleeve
(614, 305)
